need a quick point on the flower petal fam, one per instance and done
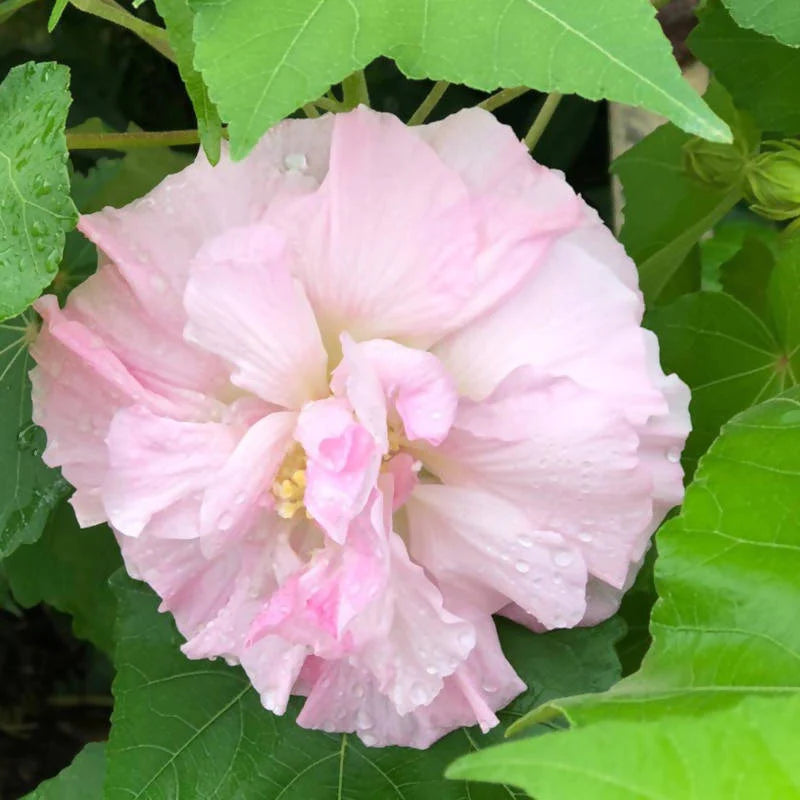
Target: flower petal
(480, 542)
(414, 382)
(560, 453)
(237, 494)
(343, 464)
(244, 305)
(574, 316)
(155, 463)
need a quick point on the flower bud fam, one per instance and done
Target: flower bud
(773, 181)
(720, 165)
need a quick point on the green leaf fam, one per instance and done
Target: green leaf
(666, 209)
(748, 751)
(35, 207)
(730, 357)
(28, 489)
(712, 711)
(260, 66)
(179, 19)
(83, 778)
(68, 568)
(761, 74)
(197, 727)
(775, 18)
(746, 275)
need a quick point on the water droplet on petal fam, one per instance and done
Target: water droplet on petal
(363, 720)
(522, 567)
(585, 537)
(295, 161)
(674, 455)
(524, 541)
(562, 558)
(368, 739)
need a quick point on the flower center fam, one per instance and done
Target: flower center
(290, 482)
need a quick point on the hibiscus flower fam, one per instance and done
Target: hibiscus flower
(346, 399)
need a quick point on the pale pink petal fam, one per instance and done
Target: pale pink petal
(77, 387)
(413, 382)
(153, 240)
(385, 246)
(415, 642)
(560, 453)
(315, 606)
(404, 470)
(156, 462)
(343, 463)
(241, 490)
(343, 698)
(574, 317)
(244, 305)
(480, 542)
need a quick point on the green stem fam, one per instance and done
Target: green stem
(326, 104)
(542, 119)
(429, 103)
(130, 141)
(310, 110)
(112, 12)
(502, 97)
(355, 90)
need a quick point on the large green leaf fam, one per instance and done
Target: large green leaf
(730, 357)
(68, 568)
(262, 64)
(179, 19)
(776, 18)
(667, 210)
(28, 489)
(81, 780)
(749, 751)
(712, 711)
(761, 74)
(35, 207)
(196, 728)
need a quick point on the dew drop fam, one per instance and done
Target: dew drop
(295, 161)
(562, 558)
(363, 720)
(524, 541)
(368, 739)
(674, 455)
(522, 567)
(225, 522)
(585, 537)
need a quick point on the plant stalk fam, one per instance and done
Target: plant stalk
(429, 103)
(130, 141)
(542, 119)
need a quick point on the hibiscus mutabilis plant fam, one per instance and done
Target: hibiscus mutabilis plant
(352, 389)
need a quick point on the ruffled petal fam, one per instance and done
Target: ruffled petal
(244, 305)
(491, 551)
(156, 463)
(343, 464)
(344, 698)
(575, 317)
(413, 382)
(240, 492)
(560, 453)
(385, 246)
(153, 240)
(78, 386)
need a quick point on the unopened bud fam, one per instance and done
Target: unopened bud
(719, 165)
(773, 181)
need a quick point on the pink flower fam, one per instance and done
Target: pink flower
(344, 400)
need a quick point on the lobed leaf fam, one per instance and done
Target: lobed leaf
(260, 66)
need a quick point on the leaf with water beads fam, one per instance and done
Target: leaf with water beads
(35, 206)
